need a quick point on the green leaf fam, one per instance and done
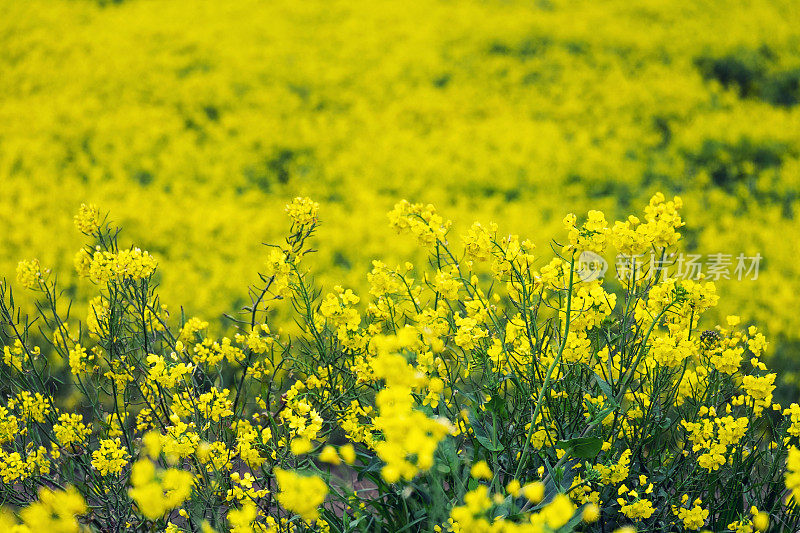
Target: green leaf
(374, 465)
(482, 436)
(504, 509)
(582, 447)
(446, 453)
(487, 443)
(498, 406)
(604, 386)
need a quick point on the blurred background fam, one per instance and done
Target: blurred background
(194, 122)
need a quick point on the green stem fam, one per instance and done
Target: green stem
(549, 374)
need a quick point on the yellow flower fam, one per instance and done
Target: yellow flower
(71, 429)
(133, 264)
(591, 513)
(638, 509)
(329, 455)
(761, 521)
(348, 453)
(240, 520)
(111, 458)
(300, 446)
(30, 274)
(156, 492)
(83, 263)
(420, 220)
(558, 512)
(79, 359)
(534, 492)
(300, 494)
(481, 470)
(693, 518)
(88, 219)
(302, 211)
(55, 511)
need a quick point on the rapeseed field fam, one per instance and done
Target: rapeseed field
(193, 122)
(487, 266)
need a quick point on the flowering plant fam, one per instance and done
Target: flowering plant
(495, 390)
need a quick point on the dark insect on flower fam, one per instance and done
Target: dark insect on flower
(710, 337)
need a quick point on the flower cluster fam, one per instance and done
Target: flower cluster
(514, 111)
(132, 264)
(490, 392)
(303, 211)
(300, 494)
(88, 219)
(420, 220)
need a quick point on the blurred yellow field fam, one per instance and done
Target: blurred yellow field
(530, 266)
(194, 122)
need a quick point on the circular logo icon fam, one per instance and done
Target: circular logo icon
(590, 266)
